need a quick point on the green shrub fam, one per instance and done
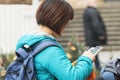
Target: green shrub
(74, 48)
(7, 58)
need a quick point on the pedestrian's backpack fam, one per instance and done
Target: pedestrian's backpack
(23, 67)
(113, 66)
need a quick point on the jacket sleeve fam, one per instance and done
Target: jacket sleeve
(97, 23)
(58, 64)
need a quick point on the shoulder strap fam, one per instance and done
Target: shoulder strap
(36, 49)
(42, 45)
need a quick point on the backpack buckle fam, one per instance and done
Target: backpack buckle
(27, 47)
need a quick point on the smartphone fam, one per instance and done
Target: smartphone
(96, 50)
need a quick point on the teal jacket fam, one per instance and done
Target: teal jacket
(53, 63)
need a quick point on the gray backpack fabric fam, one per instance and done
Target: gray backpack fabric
(23, 67)
(113, 68)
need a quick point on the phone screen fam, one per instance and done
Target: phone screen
(96, 49)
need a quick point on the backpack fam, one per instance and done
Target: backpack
(22, 68)
(112, 68)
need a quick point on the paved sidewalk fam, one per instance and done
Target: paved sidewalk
(105, 56)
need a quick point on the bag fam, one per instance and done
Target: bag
(112, 68)
(92, 76)
(22, 68)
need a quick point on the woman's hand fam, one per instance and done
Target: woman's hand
(89, 54)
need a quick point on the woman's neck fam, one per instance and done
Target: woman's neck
(45, 29)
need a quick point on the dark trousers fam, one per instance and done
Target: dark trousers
(97, 63)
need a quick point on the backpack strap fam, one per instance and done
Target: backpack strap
(38, 47)
(42, 45)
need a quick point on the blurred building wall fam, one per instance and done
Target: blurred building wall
(15, 1)
(19, 19)
(15, 21)
(81, 3)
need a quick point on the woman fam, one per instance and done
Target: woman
(52, 63)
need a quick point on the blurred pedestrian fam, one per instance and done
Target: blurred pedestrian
(94, 28)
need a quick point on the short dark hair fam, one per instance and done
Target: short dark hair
(54, 14)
